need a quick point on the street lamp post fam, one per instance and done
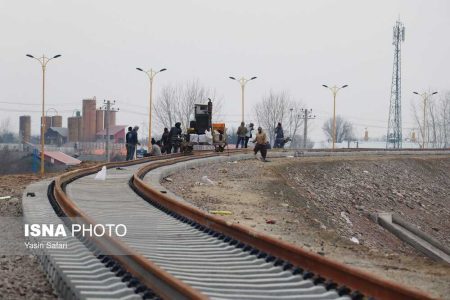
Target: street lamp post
(242, 82)
(151, 75)
(43, 61)
(334, 90)
(425, 97)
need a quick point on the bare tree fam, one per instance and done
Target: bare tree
(344, 129)
(274, 108)
(6, 135)
(436, 130)
(176, 103)
(165, 106)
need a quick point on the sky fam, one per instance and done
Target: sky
(291, 46)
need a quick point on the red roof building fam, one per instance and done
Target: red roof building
(116, 134)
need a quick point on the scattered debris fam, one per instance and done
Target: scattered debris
(206, 180)
(168, 179)
(31, 194)
(5, 197)
(101, 175)
(120, 168)
(354, 240)
(221, 212)
(284, 204)
(270, 221)
(233, 162)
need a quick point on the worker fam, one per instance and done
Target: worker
(128, 138)
(261, 141)
(279, 137)
(134, 142)
(241, 132)
(248, 135)
(156, 149)
(165, 141)
(174, 138)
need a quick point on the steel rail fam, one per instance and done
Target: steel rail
(357, 280)
(168, 286)
(149, 274)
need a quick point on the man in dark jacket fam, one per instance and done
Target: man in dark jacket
(133, 142)
(128, 137)
(174, 138)
(279, 137)
(165, 141)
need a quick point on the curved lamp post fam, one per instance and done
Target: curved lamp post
(242, 82)
(334, 90)
(43, 61)
(151, 75)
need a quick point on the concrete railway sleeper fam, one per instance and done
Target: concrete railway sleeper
(194, 255)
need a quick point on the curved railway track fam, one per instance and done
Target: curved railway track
(177, 251)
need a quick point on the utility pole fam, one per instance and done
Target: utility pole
(306, 115)
(290, 123)
(107, 107)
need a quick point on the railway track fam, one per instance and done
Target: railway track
(176, 251)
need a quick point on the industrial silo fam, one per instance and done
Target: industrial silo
(25, 128)
(73, 124)
(56, 121)
(47, 124)
(99, 120)
(89, 120)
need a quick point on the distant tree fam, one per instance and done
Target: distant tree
(436, 131)
(344, 129)
(274, 108)
(6, 135)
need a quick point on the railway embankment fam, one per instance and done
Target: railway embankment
(324, 205)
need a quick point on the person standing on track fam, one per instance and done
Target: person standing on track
(261, 141)
(248, 135)
(279, 137)
(128, 137)
(134, 142)
(174, 138)
(165, 141)
(241, 132)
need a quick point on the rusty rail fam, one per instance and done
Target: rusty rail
(357, 280)
(167, 286)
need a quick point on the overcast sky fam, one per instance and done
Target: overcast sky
(294, 46)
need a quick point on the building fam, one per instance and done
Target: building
(25, 129)
(116, 134)
(56, 136)
(89, 120)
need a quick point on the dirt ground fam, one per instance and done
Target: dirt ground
(21, 276)
(321, 203)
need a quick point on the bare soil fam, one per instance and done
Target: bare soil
(21, 276)
(321, 203)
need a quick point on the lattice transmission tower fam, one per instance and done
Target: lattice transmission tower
(394, 134)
